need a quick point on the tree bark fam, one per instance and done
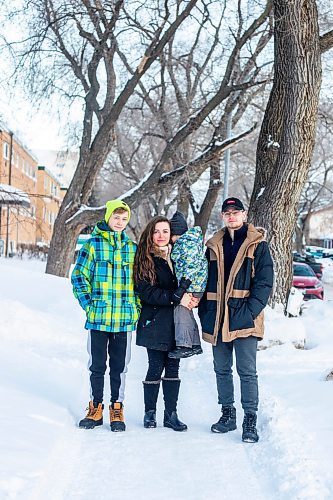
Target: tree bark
(287, 135)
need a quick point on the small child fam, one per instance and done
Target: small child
(190, 263)
(103, 284)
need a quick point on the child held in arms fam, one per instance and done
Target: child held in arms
(190, 262)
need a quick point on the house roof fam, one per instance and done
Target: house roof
(16, 139)
(10, 195)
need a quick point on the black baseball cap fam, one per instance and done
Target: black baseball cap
(234, 203)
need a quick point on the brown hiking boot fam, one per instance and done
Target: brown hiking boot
(94, 416)
(117, 423)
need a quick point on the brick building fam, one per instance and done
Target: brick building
(50, 196)
(30, 196)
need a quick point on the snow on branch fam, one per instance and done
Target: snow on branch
(214, 151)
(89, 215)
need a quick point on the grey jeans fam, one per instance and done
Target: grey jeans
(186, 327)
(246, 356)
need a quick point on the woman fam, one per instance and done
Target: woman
(156, 285)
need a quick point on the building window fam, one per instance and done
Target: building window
(6, 150)
(12, 247)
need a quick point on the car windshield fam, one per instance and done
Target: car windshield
(303, 271)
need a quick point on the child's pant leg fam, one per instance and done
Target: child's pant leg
(97, 349)
(186, 328)
(119, 357)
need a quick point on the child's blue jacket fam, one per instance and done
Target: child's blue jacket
(189, 259)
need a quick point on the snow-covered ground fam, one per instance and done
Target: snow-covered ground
(44, 392)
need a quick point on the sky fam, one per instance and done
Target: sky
(37, 129)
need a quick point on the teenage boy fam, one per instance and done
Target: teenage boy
(103, 284)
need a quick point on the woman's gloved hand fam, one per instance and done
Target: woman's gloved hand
(179, 292)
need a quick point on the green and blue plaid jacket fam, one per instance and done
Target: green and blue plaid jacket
(102, 281)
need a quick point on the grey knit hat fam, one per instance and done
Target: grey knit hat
(178, 224)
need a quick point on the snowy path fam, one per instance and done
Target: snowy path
(44, 386)
(192, 465)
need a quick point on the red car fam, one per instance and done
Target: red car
(306, 280)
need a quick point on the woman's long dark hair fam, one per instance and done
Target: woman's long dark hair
(144, 268)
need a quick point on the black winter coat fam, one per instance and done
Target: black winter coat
(236, 307)
(156, 328)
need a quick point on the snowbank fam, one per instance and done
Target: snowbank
(44, 390)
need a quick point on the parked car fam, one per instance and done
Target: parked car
(305, 279)
(314, 251)
(311, 261)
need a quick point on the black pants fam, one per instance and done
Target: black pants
(159, 361)
(118, 347)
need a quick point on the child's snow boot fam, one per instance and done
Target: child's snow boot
(181, 352)
(227, 422)
(94, 416)
(117, 423)
(197, 349)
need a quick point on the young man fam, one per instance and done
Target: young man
(240, 279)
(103, 284)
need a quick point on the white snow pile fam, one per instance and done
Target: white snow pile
(328, 271)
(44, 392)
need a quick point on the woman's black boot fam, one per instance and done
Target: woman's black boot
(170, 394)
(149, 420)
(150, 391)
(172, 421)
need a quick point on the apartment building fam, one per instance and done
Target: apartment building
(49, 198)
(30, 196)
(18, 180)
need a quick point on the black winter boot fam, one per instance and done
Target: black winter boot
(170, 388)
(150, 393)
(170, 393)
(250, 434)
(172, 421)
(227, 421)
(149, 420)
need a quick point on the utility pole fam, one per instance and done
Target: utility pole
(227, 159)
(9, 183)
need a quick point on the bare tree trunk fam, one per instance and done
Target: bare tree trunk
(287, 135)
